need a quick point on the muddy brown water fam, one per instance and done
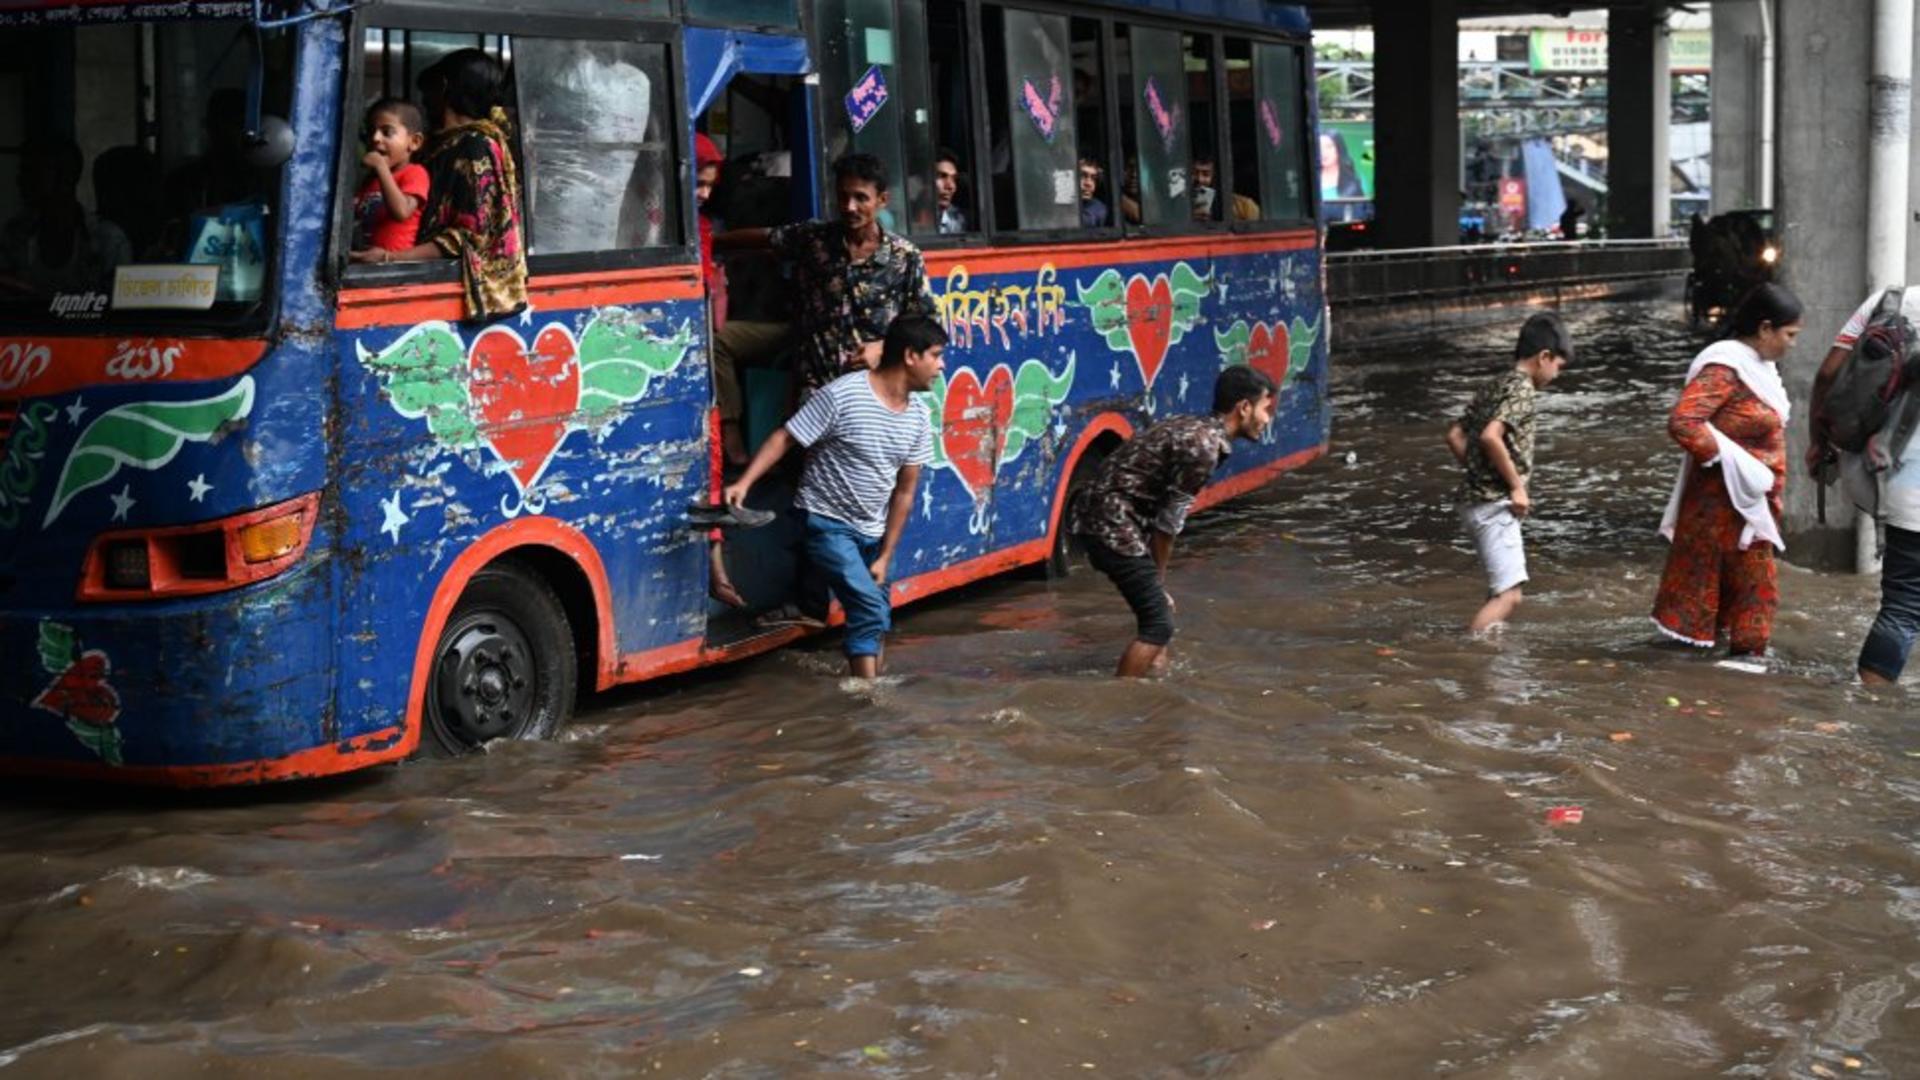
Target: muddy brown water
(1317, 849)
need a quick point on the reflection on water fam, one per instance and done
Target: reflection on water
(1320, 848)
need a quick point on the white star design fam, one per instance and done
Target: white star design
(75, 411)
(390, 508)
(926, 502)
(122, 502)
(526, 315)
(198, 487)
(1113, 377)
(1183, 386)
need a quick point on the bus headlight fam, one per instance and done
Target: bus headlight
(205, 557)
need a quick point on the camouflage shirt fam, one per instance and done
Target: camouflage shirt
(839, 303)
(1508, 399)
(1150, 483)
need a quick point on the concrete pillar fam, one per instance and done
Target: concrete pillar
(1416, 89)
(1824, 52)
(1639, 118)
(1740, 82)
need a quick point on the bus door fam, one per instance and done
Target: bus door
(750, 93)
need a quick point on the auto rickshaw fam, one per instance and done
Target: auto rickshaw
(1732, 253)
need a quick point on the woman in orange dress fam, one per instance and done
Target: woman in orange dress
(1724, 517)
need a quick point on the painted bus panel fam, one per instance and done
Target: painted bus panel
(575, 434)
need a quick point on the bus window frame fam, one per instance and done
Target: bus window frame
(568, 26)
(1309, 128)
(263, 315)
(1107, 16)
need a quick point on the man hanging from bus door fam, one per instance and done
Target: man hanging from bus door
(1127, 517)
(852, 279)
(707, 160)
(867, 440)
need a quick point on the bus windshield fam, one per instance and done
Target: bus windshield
(126, 194)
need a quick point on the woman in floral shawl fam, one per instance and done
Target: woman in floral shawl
(472, 212)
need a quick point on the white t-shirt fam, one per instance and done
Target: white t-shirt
(857, 448)
(1902, 505)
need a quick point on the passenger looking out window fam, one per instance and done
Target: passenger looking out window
(386, 212)
(1130, 192)
(53, 245)
(852, 278)
(1207, 203)
(946, 185)
(1093, 212)
(472, 210)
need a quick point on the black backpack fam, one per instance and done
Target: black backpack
(1861, 399)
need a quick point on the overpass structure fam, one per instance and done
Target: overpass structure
(1812, 103)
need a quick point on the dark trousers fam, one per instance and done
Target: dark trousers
(1138, 579)
(1894, 629)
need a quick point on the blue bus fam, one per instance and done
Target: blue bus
(267, 512)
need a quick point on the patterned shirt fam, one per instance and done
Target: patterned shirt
(1150, 483)
(1508, 399)
(842, 304)
(857, 447)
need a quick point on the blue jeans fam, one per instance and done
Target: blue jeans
(1894, 629)
(842, 554)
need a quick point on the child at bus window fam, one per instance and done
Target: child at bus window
(1130, 192)
(472, 210)
(387, 209)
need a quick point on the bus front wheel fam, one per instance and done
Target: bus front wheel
(504, 667)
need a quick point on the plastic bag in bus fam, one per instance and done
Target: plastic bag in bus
(234, 238)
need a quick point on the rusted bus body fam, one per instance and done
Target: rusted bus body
(316, 491)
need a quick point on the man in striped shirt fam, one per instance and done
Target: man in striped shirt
(866, 440)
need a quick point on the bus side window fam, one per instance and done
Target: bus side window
(1154, 126)
(595, 124)
(1031, 119)
(1267, 113)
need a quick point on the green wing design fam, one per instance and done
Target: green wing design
(426, 376)
(1232, 343)
(935, 402)
(1106, 304)
(145, 435)
(1036, 392)
(102, 740)
(1189, 291)
(619, 358)
(1301, 337)
(58, 648)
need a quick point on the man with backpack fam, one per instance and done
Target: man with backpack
(1866, 405)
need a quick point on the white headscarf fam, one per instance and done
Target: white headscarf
(1748, 479)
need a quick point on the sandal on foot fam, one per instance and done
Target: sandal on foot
(787, 615)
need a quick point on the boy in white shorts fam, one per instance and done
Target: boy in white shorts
(1493, 439)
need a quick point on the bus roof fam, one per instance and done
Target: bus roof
(1290, 18)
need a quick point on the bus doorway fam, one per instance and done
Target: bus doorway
(755, 107)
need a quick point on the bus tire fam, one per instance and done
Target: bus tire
(1066, 552)
(504, 666)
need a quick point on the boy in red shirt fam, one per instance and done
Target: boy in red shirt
(387, 209)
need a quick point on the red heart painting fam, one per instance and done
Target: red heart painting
(1269, 351)
(973, 426)
(523, 399)
(82, 692)
(1149, 323)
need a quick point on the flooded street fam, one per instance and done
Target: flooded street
(1319, 848)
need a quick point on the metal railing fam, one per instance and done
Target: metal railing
(1364, 277)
